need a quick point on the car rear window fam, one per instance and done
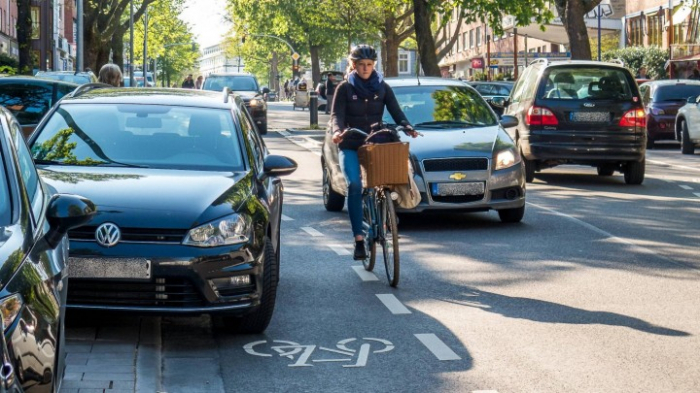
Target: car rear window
(237, 83)
(585, 83)
(426, 104)
(154, 136)
(676, 92)
(78, 79)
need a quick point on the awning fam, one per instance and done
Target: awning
(681, 13)
(555, 32)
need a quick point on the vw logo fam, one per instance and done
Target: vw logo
(108, 234)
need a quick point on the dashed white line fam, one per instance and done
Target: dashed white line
(437, 347)
(312, 231)
(484, 391)
(364, 274)
(287, 218)
(674, 165)
(340, 250)
(697, 194)
(683, 186)
(393, 304)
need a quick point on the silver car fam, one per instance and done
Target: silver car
(465, 160)
(688, 125)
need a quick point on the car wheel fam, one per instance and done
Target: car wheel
(687, 146)
(650, 143)
(606, 170)
(262, 128)
(256, 322)
(634, 172)
(332, 201)
(529, 170)
(512, 215)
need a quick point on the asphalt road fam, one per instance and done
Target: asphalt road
(595, 291)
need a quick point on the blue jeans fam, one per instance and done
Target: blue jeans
(350, 165)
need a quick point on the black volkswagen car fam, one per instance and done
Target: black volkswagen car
(33, 274)
(191, 202)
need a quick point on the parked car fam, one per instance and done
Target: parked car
(138, 81)
(69, 76)
(662, 99)
(688, 125)
(194, 197)
(247, 86)
(33, 274)
(321, 88)
(493, 89)
(464, 162)
(29, 98)
(581, 113)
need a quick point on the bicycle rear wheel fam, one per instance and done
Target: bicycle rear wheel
(370, 233)
(389, 239)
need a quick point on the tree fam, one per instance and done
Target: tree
(24, 36)
(490, 11)
(572, 13)
(397, 27)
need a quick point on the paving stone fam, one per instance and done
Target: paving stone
(108, 376)
(76, 361)
(109, 346)
(79, 346)
(129, 334)
(112, 355)
(109, 362)
(99, 368)
(124, 385)
(76, 384)
(72, 376)
(177, 374)
(87, 333)
(64, 390)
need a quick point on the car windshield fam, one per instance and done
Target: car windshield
(442, 107)
(237, 83)
(79, 79)
(154, 136)
(677, 92)
(586, 83)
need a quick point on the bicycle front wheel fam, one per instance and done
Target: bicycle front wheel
(390, 240)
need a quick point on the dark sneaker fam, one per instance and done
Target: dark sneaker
(360, 252)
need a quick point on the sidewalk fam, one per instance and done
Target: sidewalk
(281, 116)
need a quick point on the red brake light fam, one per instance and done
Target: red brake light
(539, 116)
(634, 118)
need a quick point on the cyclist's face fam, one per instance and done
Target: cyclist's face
(364, 68)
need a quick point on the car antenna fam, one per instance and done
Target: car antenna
(417, 67)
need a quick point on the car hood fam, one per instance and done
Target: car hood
(152, 198)
(460, 142)
(246, 95)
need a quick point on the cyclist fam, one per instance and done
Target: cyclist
(359, 102)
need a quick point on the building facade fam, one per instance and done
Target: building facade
(8, 28)
(213, 59)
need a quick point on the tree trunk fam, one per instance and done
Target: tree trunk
(118, 50)
(390, 50)
(24, 36)
(572, 13)
(315, 65)
(424, 37)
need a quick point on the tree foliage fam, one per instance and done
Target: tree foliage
(636, 57)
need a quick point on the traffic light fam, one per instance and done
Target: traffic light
(243, 39)
(295, 68)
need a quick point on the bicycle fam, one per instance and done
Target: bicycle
(379, 219)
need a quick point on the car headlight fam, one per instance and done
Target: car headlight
(506, 159)
(233, 229)
(255, 102)
(657, 111)
(10, 308)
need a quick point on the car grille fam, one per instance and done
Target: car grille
(458, 198)
(134, 235)
(456, 164)
(162, 292)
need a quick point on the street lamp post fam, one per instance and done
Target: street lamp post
(145, 48)
(131, 44)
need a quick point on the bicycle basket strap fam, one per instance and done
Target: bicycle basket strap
(352, 142)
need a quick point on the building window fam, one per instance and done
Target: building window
(403, 63)
(478, 36)
(464, 41)
(36, 25)
(471, 38)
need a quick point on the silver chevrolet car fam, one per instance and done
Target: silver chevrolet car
(465, 160)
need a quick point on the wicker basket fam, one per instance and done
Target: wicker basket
(383, 164)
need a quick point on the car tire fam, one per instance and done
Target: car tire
(257, 321)
(262, 128)
(512, 216)
(634, 172)
(687, 146)
(332, 201)
(606, 169)
(650, 143)
(529, 170)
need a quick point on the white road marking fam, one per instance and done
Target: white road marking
(364, 274)
(340, 250)
(683, 186)
(667, 180)
(437, 347)
(697, 194)
(312, 231)
(287, 218)
(673, 165)
(302, 142)
(393, 304)
(484, 391)
(284, 132)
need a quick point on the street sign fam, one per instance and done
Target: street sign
(295, 56)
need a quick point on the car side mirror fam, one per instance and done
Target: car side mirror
(279, 165)
(508, 121)
(66, 212)
(691, 99)
(498, 102)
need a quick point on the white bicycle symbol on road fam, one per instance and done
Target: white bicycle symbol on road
(290, 350)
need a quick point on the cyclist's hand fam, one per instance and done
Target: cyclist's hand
(411, 132)
(337, 137)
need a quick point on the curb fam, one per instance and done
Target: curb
(320, 130)
(148, 357)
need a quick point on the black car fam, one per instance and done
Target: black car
(246, 86)
(192, 198)
(29, 98)
(33, 273)
(69, 76)
(662, 99)
(581, 113)
(493, 89)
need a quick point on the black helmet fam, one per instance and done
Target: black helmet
(363, 51)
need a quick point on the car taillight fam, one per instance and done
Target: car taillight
(634, 118)
(539, 116)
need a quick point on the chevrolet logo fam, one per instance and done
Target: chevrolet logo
(458, 176)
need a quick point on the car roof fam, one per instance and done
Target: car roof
(507, 83)
(65, 72)
(35, 79)
(422, 81)
(230, 74)
(151, 96)
(567, 63)
(672, 82)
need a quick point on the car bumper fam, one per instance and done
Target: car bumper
(258, 113)
(584, 146)
(180, 280)
(661, 127)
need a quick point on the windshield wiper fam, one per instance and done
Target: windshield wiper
(675, 99)
(49, 162)
(447, 123)
(120, 164)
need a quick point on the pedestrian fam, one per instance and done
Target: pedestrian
(188, 83)
(110, 74)
(359, 102)
(695, 74)
(198, 84)
(286, 89)
(642, 73)
(330, 91)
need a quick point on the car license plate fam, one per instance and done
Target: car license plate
(590, 117)
(464, 188)
(132, 268)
